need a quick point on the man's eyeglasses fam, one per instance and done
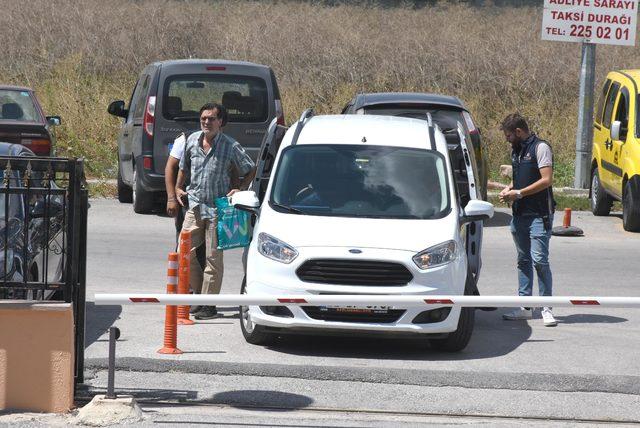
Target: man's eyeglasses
(208, 119)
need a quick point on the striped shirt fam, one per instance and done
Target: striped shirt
(210, 173)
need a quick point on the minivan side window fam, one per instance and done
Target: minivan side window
(601, 101)
(140, 98)
(611, 98)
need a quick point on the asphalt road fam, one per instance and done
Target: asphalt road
(585, 369)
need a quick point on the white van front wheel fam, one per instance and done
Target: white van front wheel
(458, 340)
(252, 332)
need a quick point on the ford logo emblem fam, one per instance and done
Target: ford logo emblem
(355, 251)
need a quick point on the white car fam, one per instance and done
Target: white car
(363, 205)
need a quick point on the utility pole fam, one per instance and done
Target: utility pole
(584, 136)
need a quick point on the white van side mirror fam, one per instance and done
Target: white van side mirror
(476, 210)
(246, 201)
(615, 130)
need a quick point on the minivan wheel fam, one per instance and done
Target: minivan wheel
(458, 340)
(601, 202)
(252, 332)
(125, 193)
(142, 200)
(631, 205)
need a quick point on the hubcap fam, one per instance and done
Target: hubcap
(245, 317)
(594, 189)
(135, 180)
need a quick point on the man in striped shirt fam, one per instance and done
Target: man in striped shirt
(209, 159)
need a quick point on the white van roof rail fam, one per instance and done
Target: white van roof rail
(432, 134)
(306, 115)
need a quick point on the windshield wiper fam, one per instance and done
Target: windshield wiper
(287, 208)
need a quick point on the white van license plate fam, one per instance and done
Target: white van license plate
(356, 309)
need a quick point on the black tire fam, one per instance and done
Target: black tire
(142, 200)
(459, 339)
(631, 205)
(125, 193)
(253, 333)
(601, 201)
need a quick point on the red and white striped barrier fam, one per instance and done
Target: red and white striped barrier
(364, 300)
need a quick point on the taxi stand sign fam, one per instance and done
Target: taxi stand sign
(611, 22)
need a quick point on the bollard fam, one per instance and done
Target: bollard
(566, 229)
(113, 333)
(184, 276)
(566, 222)
(171, 311)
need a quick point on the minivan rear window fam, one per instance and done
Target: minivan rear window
(245, 97)
(446, 118)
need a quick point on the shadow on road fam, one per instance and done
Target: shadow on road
(491, 338)
(499, 219)
(98, 321)
(590, 319)
(282, 401)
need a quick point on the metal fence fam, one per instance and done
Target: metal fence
(43, 231)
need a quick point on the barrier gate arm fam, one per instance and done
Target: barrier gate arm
(364, 300)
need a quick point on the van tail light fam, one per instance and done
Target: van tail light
(40, 146)
(279, 113)
(149, 116)
(147, 162)
(473, 130)
(216, 68)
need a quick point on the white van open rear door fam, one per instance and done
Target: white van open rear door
(473, 229)
(266, 158)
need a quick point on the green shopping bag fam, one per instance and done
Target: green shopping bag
(233, 225)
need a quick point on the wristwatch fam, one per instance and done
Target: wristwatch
(518, 194)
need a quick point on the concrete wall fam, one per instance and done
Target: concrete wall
(36, 356)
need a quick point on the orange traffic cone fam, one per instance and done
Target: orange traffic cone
(171, 313)
(184, 276)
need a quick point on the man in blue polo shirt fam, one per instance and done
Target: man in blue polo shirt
(209, 159)
(531, 195)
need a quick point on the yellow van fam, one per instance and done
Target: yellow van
(615, 165)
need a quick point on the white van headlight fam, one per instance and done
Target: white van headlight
(437, 255)
(275, 249)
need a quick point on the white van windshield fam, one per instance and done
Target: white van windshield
(361, 181)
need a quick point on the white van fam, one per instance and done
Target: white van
(362, 205)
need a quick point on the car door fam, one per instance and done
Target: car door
(266, 158)
(621, 114)
(602, 138)
(473, 230)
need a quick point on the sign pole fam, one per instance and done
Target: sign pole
(584, 135)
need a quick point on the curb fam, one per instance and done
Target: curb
(620, 384)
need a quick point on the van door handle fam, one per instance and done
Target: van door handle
(126, 134)
(608, 144)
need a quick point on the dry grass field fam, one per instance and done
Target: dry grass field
(81, 54)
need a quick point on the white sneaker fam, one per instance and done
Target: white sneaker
(518, 314)
(547, 317)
